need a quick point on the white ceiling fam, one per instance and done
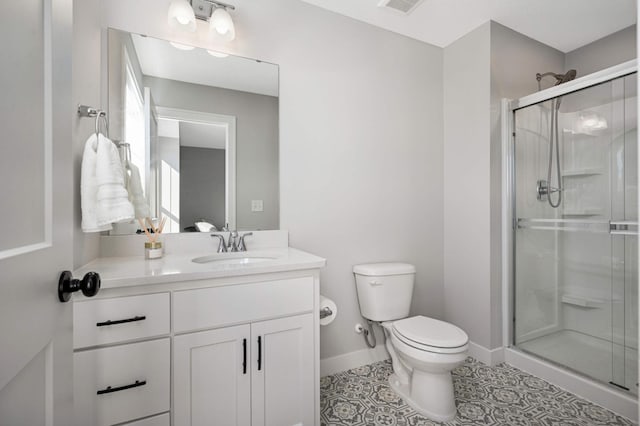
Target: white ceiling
(160, 59)
(562, 24)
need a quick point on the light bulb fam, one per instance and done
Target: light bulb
(181, 16)
(221, 25)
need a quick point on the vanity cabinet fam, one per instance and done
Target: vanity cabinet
(258, 374)
(242, 351)
(282, 375)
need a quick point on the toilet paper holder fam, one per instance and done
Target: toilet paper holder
(325, 312)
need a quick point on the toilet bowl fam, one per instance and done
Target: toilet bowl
(422, 370)
(423, 350)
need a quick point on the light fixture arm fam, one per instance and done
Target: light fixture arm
(221, 4)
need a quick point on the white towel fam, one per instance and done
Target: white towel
(112, 199)
(136, 194)
(89, 188)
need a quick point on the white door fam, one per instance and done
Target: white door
(211, 378)
(282, 389)
(36, 212)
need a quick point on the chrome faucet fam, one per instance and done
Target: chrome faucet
(241, 245)
(233, 241)
(222, 248)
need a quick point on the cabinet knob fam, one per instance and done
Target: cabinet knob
(89, 284)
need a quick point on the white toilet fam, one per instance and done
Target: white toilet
(423, 350)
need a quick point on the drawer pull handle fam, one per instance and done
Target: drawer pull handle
(244, 356)
(122, 321)
(109, 389)
(259, 353)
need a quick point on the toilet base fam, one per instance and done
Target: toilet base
(435, 400)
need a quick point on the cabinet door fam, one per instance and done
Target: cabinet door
(282, 372)
(211, 384)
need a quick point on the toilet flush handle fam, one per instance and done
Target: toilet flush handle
(375, 282)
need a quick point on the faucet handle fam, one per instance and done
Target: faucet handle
(233, 241)
(222, 248)
(241, 245)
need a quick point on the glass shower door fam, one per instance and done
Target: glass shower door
(576, 255)
(624, 237)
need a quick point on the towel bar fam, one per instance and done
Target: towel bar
(100, 116)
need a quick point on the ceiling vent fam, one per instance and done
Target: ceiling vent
(402, 6)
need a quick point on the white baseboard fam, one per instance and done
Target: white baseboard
(344, 362)
(337, 364)
(605, 396)
(486, 356)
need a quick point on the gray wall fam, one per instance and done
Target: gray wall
(488, 64)
(361, 171)
(202, 186)
(85, 89)
(467, 275)
(611, 50)
(256, 142)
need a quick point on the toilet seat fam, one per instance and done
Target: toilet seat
(430, 335)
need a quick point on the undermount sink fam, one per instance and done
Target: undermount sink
(237, 259)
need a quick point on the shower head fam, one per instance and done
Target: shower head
(568, 76)
(560, 78)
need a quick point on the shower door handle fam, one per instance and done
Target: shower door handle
(623, 227)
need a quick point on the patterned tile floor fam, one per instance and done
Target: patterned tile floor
(500, 395)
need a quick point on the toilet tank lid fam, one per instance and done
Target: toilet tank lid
(382, 269)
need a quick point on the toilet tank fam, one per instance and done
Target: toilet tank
(384, 290)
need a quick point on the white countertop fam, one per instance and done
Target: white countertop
(136, 270)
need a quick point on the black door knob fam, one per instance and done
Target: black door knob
(90, 284)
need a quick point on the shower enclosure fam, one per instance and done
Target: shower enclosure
(574, 269)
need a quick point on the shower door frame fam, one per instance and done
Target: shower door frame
(579, 384)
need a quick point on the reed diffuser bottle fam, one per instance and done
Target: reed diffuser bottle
(152, 248)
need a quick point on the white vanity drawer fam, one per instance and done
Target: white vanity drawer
(239, 303)
(161, 420)
(105, 321)
(119, 368)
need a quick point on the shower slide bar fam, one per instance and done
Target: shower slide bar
(624, 227)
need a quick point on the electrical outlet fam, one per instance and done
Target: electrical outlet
(257, 206)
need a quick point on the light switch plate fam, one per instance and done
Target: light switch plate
(257, 206)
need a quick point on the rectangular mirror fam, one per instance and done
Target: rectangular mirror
(202, 129)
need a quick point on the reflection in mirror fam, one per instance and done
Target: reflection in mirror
(202, 129)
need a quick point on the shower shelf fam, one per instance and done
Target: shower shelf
(580, 301)
(582, 172)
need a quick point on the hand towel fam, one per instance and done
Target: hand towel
(89, 188)
(136, 194)
(112, 198)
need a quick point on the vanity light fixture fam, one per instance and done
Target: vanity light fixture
(181, 16)
(183, 13)
(221, 24)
